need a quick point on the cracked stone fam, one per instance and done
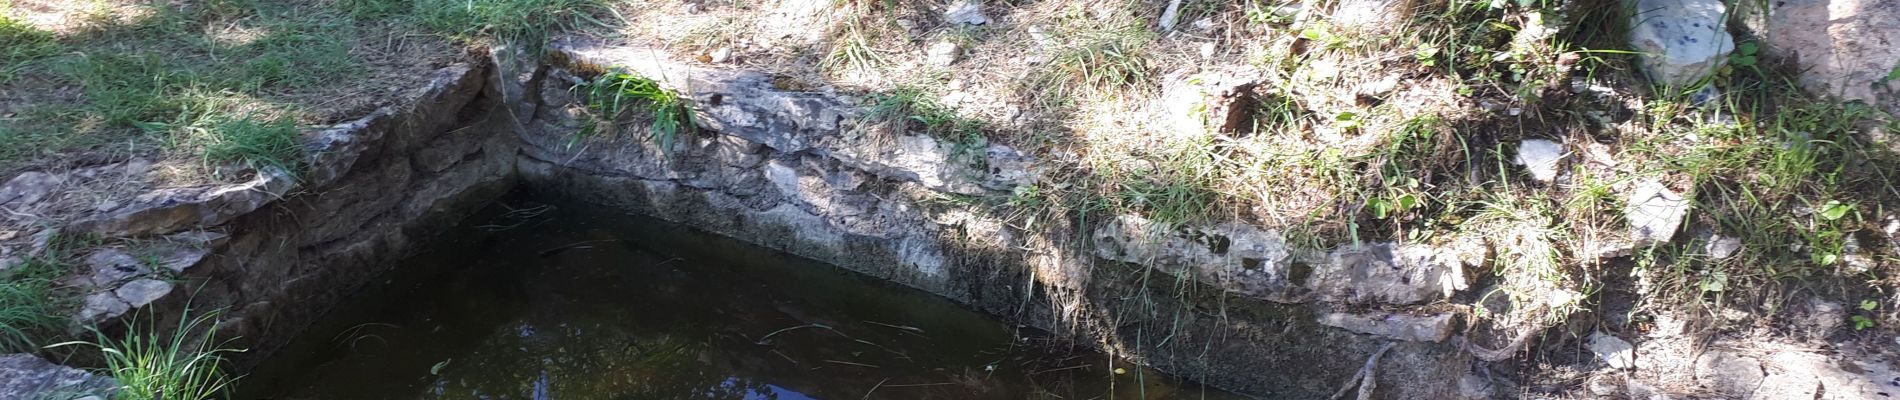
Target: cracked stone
(1654, 213)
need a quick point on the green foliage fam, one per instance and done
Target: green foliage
(910, 104)
(259, 143)
(618, 95)
(528, 23)
(20, 44)
(186, 364)
(30, 304)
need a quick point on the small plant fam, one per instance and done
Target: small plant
(187, 365)
(1862, 322)
(1745, 56)
(616, 94)
(1098, 56)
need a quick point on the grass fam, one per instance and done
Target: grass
(618, 95)
(1099, 58)
(851, 49)
(911, 105)
(184, 364)
(527, 23)
(31, 303)
(21, 44)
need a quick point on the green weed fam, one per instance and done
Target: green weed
(30, 304)
(616, 96)
(183, 364)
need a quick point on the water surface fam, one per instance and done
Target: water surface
(538, 302)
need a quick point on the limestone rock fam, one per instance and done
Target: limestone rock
(1399, 326)
(143, 291)
(1844, 48)
(112, 265)
(1240, 258)
(29, 187)
(966, 12)
(1388, 273)
(1612, 350)
(1540, 157)
(100, 307)
(171, 210)
(1654, 213)
(1721, 247)
(1728, 371)
(1682, 41)
(942, 53)
(1370, 16)
(1819, 317)
(26, 376)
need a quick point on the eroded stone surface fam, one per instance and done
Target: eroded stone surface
(1844, 48)
(1388, 273)
(25, 376)
(1399, 326)
(29, 187)
(141, 292)
(967, 12)
(171, 210)
(1613, 350)
(1682, 41)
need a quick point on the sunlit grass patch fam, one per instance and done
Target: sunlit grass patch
(618, 95)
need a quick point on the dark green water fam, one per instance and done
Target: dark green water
(570, 303)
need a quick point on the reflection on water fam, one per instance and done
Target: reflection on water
(574, 304)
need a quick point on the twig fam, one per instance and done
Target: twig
(867, 393)
(852, 364)
(906, 328)
(1364, 379)
(922, 384)
(768, 336)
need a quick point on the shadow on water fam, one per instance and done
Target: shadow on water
(570, 302)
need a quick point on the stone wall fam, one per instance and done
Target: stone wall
(801, 171)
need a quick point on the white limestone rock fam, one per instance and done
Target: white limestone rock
(1540, 157)
(1682, 41)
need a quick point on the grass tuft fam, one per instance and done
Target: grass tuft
(186, 364)
(616, 96)
(29, 304)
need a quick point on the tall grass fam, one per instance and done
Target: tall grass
(187, 364)
(29, 304)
